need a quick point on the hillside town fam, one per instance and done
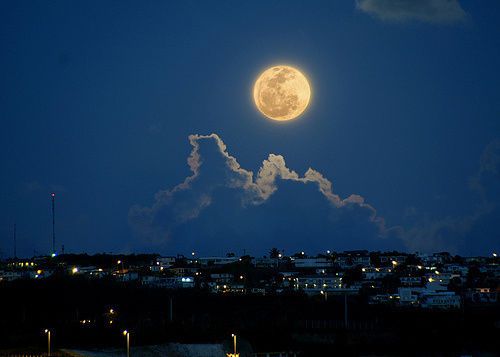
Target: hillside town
(427, 281)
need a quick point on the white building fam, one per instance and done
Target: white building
(411, 280)
(371, 273)
(316, 263)
(168, 283)
(440, 300)
(409, 295)
(456, 269)
(165, 261)
(349, 260)
(314, 284)
(11, 275)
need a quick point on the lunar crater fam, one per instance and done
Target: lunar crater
(282, 93)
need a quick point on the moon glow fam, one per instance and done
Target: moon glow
(281, 93)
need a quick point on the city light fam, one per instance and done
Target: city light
(234, 343)
(74, 270)
(47, 331)
(127, 335)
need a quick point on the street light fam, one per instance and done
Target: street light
(127, 335)
(47, 331)
(234, 343)
(325, 294)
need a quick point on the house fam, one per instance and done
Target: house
(126, 276)
(440, 300)
(411, 280)
(393, 259)
(168, 283)
(409, 295)
(231, 288)
(12, 275)
(266, 262)
(371, 273)
(316, 263)
(217, 260)
(351, 259)
(317, 283)
(438, 278)
(222, 278)
(183, 271)
(456, 269)
(166, 262)
(482, 296)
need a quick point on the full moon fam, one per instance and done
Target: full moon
(281, 93)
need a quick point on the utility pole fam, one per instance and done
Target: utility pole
(171, 310)
(53, 195)
(345, 310)
(15, 242)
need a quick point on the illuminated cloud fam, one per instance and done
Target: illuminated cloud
(238, 208)
(187, 200)
(433, 11)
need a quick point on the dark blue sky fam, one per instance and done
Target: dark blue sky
(98, 98)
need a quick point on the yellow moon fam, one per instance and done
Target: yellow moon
(281, 93)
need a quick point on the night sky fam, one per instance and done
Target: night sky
(98, 100)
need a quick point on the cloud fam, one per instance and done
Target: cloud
(457, 234)
(432, 11)
(222, 205)
(489, 168)
(217, 170)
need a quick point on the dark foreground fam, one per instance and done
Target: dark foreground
(79, 312)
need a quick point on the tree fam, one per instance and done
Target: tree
(274, 253)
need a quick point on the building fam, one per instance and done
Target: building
(440, 300)
(371, 273)
(411, 280)
(168, 283)
(314, 263)
(409, 295)
(351, 259)
(217, 260)
(314, 284)
(482, 296)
